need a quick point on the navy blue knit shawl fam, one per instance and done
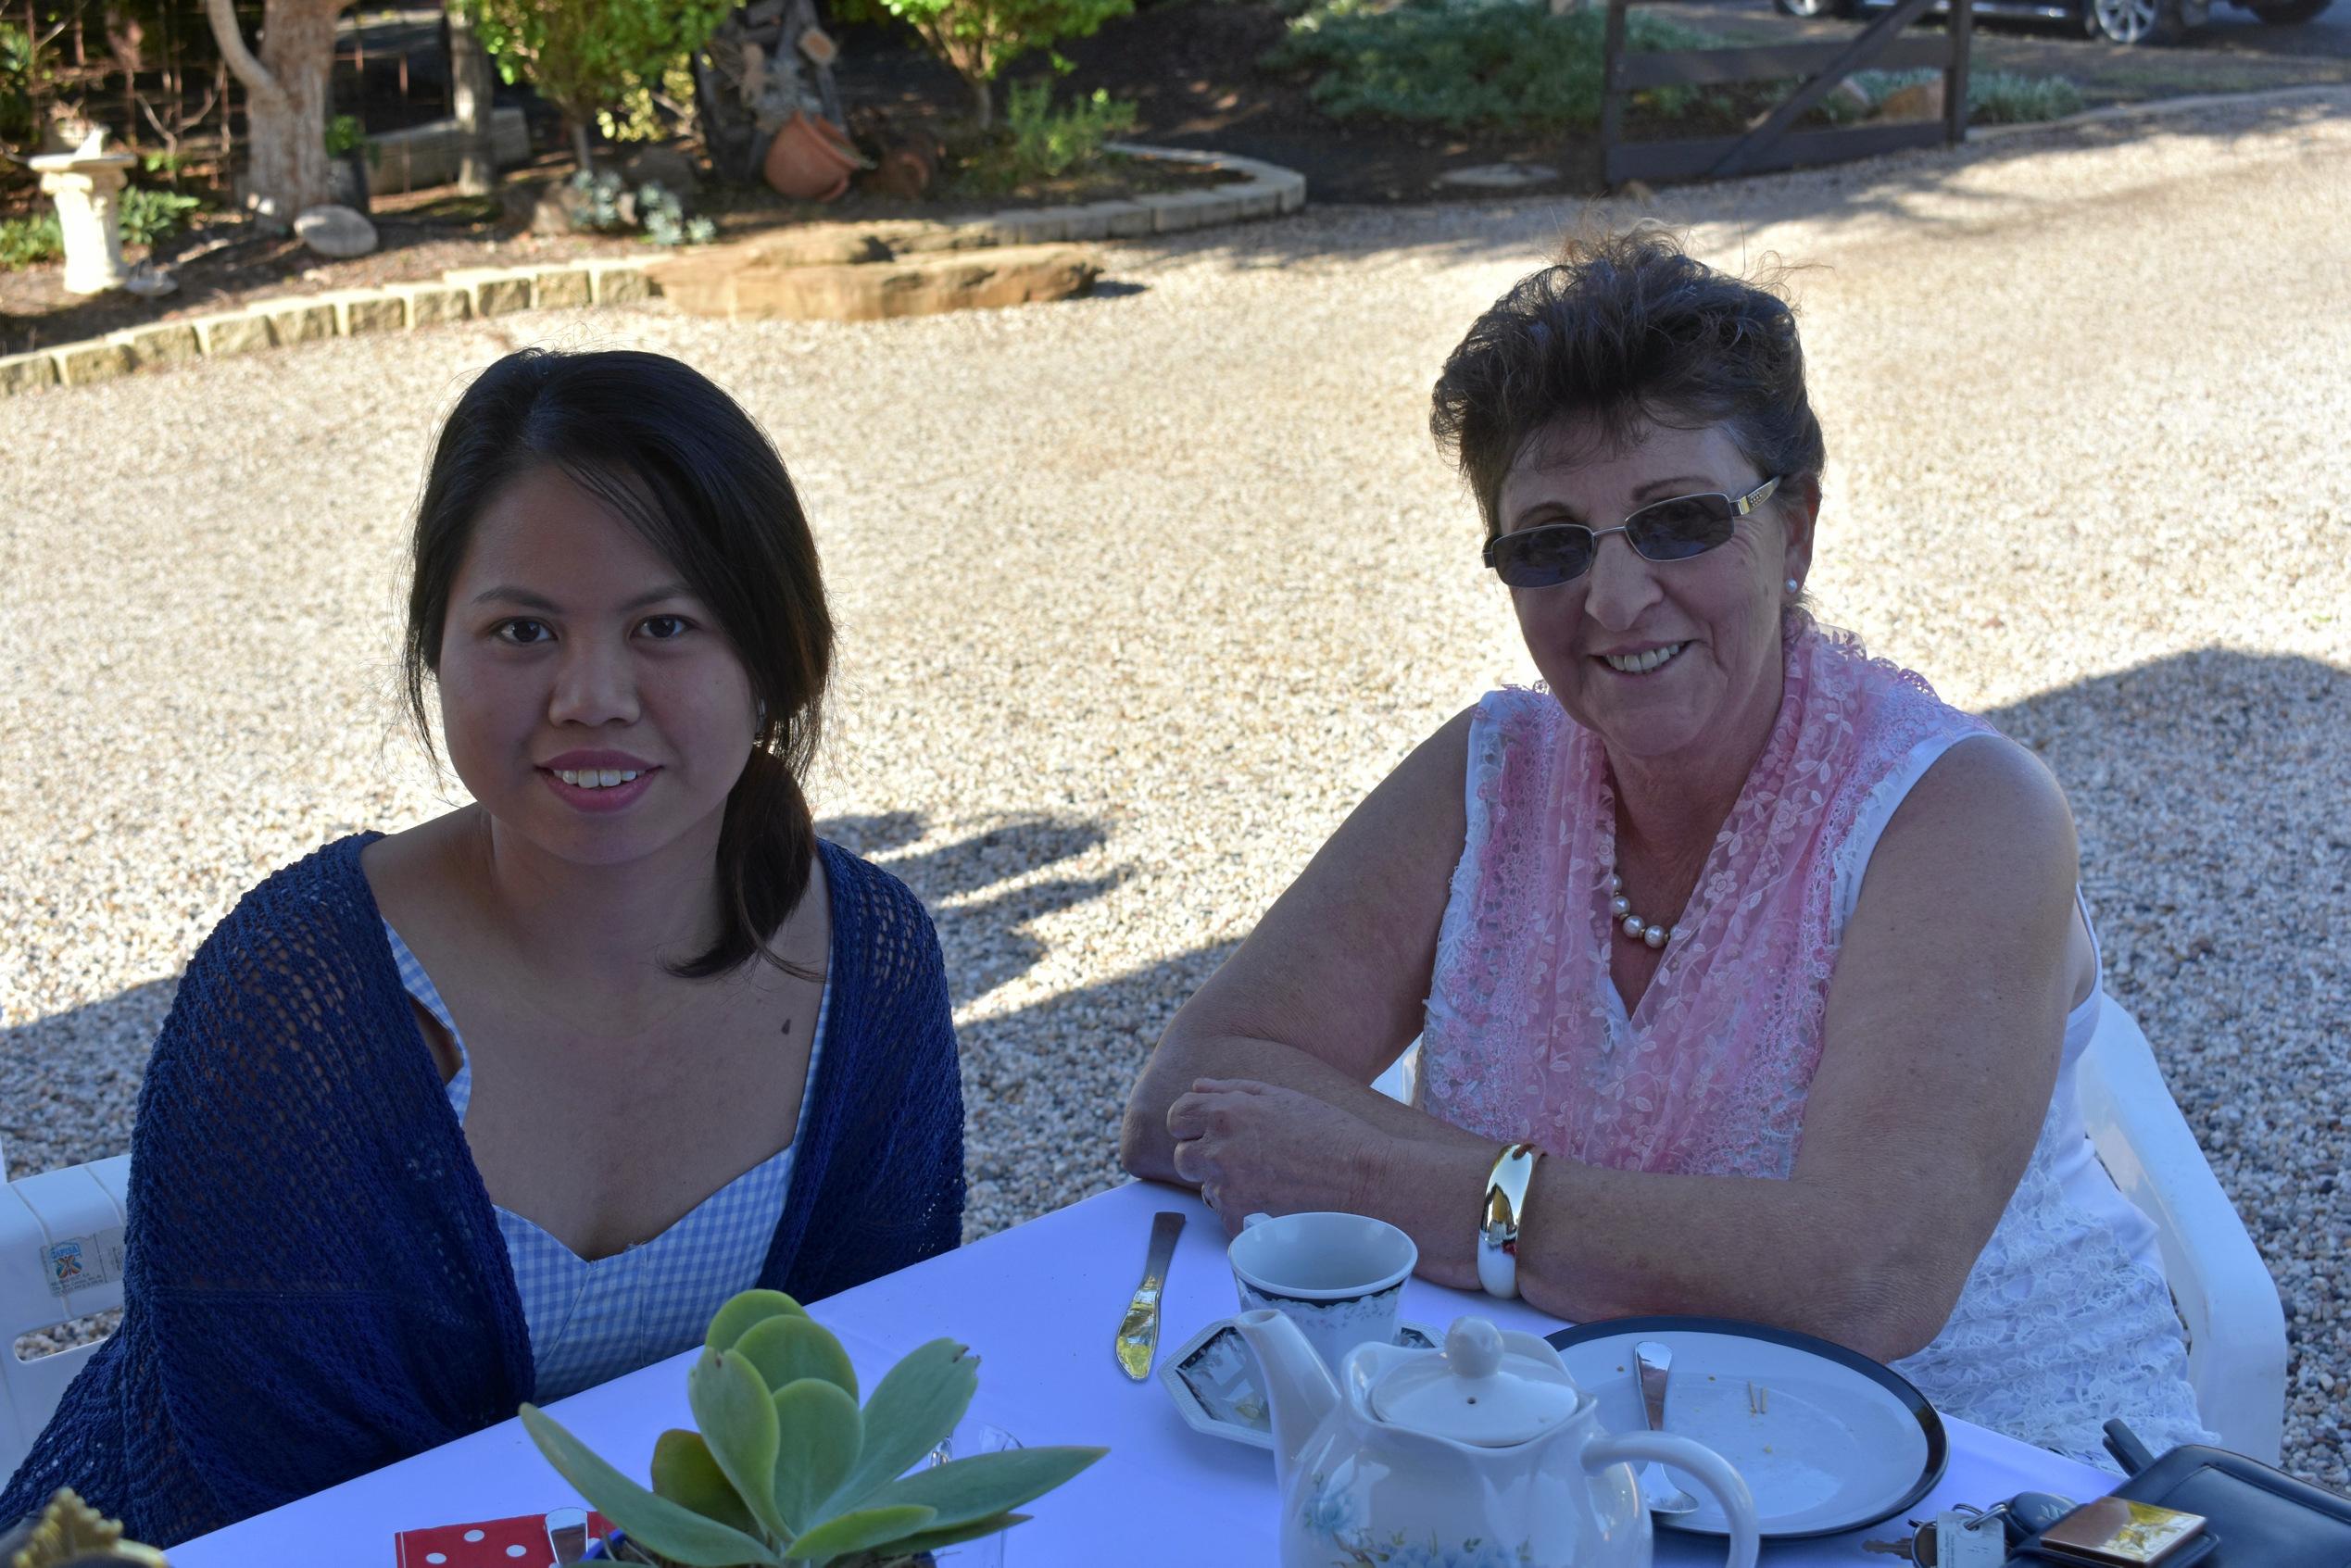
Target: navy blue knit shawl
(315, 1282)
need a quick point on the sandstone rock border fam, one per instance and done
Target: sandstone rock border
(1262, 190)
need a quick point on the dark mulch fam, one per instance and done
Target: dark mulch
(1191, 68)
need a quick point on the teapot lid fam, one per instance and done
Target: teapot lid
(1478, 1391)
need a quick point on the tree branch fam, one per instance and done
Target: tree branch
(252, 72)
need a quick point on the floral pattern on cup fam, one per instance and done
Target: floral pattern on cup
(1333, 1328)
(1339, 1277)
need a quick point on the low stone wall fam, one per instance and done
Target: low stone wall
(1263, 189)
(466, 295)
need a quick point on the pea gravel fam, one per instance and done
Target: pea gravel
(1141, 593)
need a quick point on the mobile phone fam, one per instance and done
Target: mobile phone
(2118, 1532)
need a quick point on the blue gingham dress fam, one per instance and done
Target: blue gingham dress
(592, 1321)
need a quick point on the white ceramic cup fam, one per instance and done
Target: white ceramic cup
(1338, 1277)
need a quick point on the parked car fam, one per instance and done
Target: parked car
(2118, 21)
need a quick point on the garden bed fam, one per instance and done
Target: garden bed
(1226, 76)
(221, 262)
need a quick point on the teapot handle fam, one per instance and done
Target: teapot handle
(1707, 1467)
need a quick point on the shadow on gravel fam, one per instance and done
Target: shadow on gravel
(1044, 1086)
(1882, 188)
(2213, 794)
(1043, 1083)
(2209, 789)
(67, 1081)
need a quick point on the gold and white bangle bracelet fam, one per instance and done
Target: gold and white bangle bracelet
(1500, 1217)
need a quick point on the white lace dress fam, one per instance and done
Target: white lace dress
(2066, 1321)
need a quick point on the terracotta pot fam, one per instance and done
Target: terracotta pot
(809, 160)
(905, 168)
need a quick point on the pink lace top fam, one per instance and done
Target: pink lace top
(2064, 1320)
(1526, 1036)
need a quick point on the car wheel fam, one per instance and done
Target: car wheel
(2288, 13)
(1810, 8)
(2135, 21)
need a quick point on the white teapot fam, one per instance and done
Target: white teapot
(1484, 1452)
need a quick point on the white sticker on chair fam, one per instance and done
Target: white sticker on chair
(83, 1263)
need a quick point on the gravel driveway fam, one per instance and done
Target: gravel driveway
(1141, 593)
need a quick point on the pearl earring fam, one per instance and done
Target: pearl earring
(1794, 586)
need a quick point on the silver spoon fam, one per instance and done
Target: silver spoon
(1656, 1364)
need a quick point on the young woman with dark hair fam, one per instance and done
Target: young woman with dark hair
(506, 1104)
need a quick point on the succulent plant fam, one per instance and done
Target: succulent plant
(789, 1470)
(68, 1533)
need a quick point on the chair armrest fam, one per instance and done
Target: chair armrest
(2236, 1326)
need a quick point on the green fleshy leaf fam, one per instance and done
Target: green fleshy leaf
(913, 1407)
(785, 1349)
(965, 1489)
(672, 1530)
(862, 1531)
(738, 1418)
(684, 1471)
(743, 1311)
(931, 1541)
(819, 1432)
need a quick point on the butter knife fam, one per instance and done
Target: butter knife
(1138, 1336)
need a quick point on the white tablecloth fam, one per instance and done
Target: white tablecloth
(1041, 1304)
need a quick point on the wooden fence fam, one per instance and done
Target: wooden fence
(1772, 142)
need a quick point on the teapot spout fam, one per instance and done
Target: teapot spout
(1299, 1390)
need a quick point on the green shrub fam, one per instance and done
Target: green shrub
(24, 68)
(16, 97)
(1994, 97)
(599, 61)
(142, 215)
(148, 216)
(979, 38)
(28, 242)
(1462, 64)
(1046, 142)
(655, 209)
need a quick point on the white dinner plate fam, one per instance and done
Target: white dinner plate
(1213, 1378)
(1827, 1439)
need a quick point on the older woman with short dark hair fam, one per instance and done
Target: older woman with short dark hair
(1746, 972)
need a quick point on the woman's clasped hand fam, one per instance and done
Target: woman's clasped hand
(1251, 1147)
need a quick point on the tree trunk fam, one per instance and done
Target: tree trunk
(969, 59)
(285, 102)
(470, 90)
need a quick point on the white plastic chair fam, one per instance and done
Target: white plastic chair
(2220, 1286)
(65, 1223)
(2236, 1327)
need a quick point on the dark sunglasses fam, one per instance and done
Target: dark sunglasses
(1554, 553)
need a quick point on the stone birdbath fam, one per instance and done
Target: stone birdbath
(87, 184)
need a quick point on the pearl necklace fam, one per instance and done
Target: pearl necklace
(1620, 909)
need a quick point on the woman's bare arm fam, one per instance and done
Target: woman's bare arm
(1941, 1046)
(1329, 990)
